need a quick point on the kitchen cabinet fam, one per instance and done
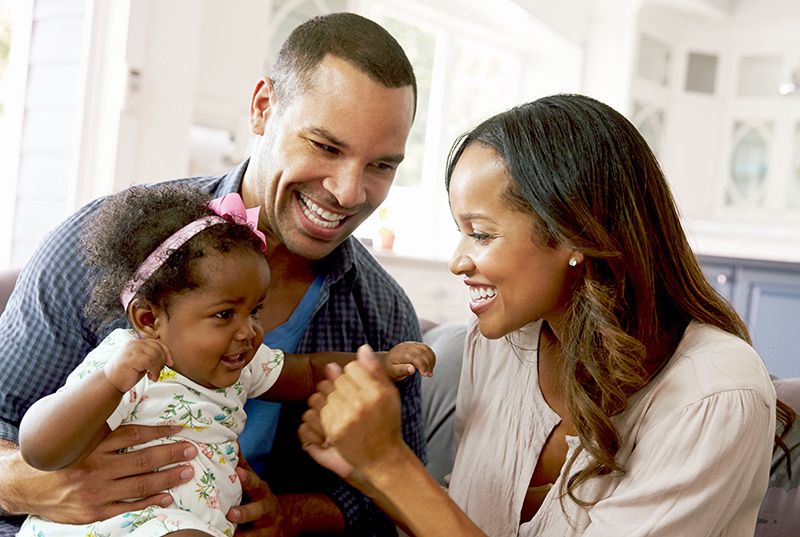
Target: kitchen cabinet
(767, 296)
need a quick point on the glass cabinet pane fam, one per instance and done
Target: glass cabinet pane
(650, 123)
(794, 176)
(749, 164)
(759, 76)
(701, 73)
(653, 64)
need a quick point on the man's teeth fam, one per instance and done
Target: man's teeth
(318, 215)
(479, 293)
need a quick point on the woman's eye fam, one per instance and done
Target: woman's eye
(226, 314)
(479, 237)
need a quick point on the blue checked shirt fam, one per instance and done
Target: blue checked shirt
(44, 335)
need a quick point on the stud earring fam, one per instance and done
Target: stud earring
(572, 261)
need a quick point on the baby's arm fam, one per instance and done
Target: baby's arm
(405, 357)
(64, 427)
(302, 372)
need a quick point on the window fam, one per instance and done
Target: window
(465, 74)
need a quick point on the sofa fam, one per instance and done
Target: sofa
(780, 510)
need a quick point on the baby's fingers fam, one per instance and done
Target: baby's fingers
(423, 358)
(399, 371)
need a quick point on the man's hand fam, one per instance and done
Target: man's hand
(94, 488)
(268, 515)
(264, 509)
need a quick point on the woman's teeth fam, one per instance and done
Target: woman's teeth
(481, 293)
(318, 215)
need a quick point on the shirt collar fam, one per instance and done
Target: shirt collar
(232, 182)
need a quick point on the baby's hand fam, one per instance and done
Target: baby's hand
(136, 359)
(404, 358)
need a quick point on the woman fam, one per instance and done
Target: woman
(606, 388)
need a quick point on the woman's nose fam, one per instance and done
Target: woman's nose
(460, 263)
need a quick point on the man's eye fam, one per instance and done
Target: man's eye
(226, 314)
(327, 148)
(386, 167)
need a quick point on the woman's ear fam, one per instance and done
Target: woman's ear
(575, 258)
(145, 317)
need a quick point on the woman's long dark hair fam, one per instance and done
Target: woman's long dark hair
(590, 181)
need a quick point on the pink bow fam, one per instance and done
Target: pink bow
(231, 205)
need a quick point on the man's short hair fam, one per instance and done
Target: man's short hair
(361, 42)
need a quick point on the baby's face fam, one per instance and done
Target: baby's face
(214, 331)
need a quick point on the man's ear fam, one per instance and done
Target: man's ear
(146, 318)
(261, 104)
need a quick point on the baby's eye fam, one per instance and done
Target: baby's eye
(257, 310)
(225, 314)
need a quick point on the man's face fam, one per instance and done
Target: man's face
(326, 157)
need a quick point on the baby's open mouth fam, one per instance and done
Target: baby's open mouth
(234, 358)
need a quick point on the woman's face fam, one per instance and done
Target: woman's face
(512, 279)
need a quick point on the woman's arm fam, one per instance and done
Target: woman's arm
(353, 428)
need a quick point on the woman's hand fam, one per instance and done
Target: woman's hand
(358, 414)
(312, 435)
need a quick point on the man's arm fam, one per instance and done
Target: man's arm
(95, 488)
(43, 337)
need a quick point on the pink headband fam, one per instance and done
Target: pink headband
(228, 207)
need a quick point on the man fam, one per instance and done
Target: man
(331, 127)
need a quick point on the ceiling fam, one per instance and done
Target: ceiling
(571, 18)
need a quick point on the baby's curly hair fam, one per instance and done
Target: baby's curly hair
(130, 225)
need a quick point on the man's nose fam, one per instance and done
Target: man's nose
(347, 185)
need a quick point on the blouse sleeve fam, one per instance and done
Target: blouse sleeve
(701, 469)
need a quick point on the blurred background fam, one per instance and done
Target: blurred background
(96, 95)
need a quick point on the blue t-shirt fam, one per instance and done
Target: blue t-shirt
(262, 416)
